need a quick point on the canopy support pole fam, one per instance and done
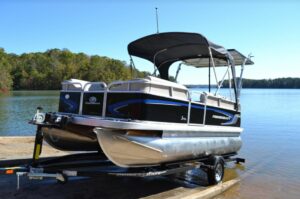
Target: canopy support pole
(154, 72)
(178, 70)
(241, 75)
(209, 75)
(234, 84)
(213, 64)
(220, 85)
(229, 83)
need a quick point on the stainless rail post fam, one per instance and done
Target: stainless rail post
(104, 102)
(204, 112)
(189, 111)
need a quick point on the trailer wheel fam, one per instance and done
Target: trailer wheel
(215, 173)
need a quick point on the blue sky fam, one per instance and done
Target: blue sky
(270, 30)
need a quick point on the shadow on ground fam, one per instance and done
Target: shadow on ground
(101, 187)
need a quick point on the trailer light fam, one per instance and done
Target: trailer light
(9, 171)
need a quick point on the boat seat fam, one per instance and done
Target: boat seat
(151, 85)
(216, 100)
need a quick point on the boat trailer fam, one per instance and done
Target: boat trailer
(93, 164)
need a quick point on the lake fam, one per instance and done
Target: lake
(271, 137)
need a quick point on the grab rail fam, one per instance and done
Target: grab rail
(205, 104)
(82, 90)
(70, 83)
(128, 83)
(103, 84)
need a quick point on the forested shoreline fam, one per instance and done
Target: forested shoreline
(46, 70)
(283, 83)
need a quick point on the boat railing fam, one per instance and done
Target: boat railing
(126, 86)
(88, 87)
(202, 96)
(134, 86)
(142, 85)
(92, 87)
(71, 86)
(209, 99)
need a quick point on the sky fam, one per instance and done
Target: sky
(269, 30)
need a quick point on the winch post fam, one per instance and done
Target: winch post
(37, 145)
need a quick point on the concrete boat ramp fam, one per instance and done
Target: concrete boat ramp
(188, 185)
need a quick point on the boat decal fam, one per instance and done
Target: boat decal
(233, 120)
(71, 105)
(220, 117)
(114, 108)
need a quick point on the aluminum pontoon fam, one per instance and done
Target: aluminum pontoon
(151, 121)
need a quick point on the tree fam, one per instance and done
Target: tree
(269, 83)
(46, 70)
(5, 77)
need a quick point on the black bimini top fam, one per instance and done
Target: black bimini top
(239, 59)
(163, 49)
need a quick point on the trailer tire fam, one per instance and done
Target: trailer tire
(215, 173)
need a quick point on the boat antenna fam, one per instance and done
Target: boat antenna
(156, 13)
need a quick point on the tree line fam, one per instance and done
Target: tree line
(46, 70)
(268, 83)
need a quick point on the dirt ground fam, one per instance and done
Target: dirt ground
(22, 147)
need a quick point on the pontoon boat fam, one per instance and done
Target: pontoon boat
(151, 121)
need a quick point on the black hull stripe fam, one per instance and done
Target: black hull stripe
(113, 108)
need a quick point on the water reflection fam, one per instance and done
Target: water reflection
(233, 171)
(191, 178)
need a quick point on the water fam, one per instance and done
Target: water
(19, 107)
(271, 145)
(271, 137)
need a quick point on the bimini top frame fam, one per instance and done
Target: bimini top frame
(164, 49)
(239, 60)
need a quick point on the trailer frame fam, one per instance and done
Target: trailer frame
(93, 164)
